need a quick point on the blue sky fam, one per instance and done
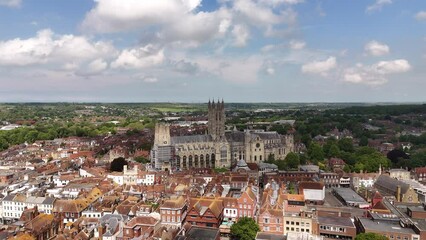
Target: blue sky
(194, 50)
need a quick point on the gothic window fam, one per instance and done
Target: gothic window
(177, 160)
(223, 153)
(196, 161)
(207, 159)
(190, 160)
(213, 160)
(202, 160)
(184, 162)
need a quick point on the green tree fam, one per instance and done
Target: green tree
(315, 152)
(363, 141)
(245, 229)
(326, 147)
(290, 188)
(334, 151)
(271, 158)
(141, 159)
(346, 144)
(370, 236)
(292, 160)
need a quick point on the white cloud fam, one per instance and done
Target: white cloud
(377, 5)
(241, 70)
(395, 66)
(150, 79)
(93, 68)
(48, 48)
(117, 16)
(297, 45)
(375, 74)
(186, 67)
(421, 15)
(360, 76)
(268, 48)
(11, 3)
(197, 28)
(275, 3)
(241, 35)
(169, 21)
(376, 48)
(256, 14)
(28, 51)
(143, 57)
(320, 67)
(270, 70)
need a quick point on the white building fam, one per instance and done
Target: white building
(62, 180)
(146, 178)
(13, 205)
(117, 177)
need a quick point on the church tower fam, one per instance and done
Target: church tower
(216, 117)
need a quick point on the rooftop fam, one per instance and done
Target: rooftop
(269, 236)
(336, 221)
(204, 233)
(384, 226)
(349, 195)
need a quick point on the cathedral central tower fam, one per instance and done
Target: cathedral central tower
(216, 117)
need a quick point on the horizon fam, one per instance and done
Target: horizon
(195, 102)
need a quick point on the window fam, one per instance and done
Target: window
(266, 220)
(278, 220)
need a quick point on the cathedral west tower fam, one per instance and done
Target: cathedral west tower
(216, 119)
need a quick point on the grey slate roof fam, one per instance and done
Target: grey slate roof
(9, 197)
(191, 139)
(391, 184)
(49, 200)
(267, 135)
(235, 136)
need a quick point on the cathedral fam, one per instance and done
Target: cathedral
(218, 148)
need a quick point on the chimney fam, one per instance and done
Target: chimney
(398, 193)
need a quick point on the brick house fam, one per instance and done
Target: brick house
(271, 214)
(205, 212)
(247, 203)
(173, 212)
